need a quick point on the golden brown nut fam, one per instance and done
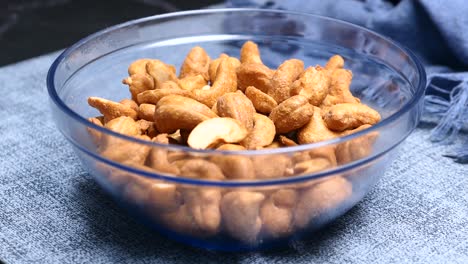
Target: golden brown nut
(160, 72)
(346, 116)
(271, 166)
(158, 157)
(262, 102)
(197, 62)
(225, 82)
(356, 148)
(262, 134)
(138, 83)
(335, 62)
(238, 106)
(204, 206)
(146, 112)
(124, 151)
(249, 53)
(214, 66)
(284, 76)
(192, 82)
(94, 134)
(320, 198)
(316, 130)
(340, 81)
(277, 213)
(234, 166)
(178, 112)
(153, 96)
(201, 169)
(241, 216)
(313, 84)
(254, 74)
(110, 109)
(138, 67)
(291, 114)
(124, 125)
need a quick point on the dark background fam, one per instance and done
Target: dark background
(29, 28)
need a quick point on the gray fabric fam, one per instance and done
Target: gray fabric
(52, 211)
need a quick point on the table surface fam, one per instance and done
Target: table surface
(52, 211)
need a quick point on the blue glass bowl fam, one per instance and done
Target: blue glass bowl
(242, 214)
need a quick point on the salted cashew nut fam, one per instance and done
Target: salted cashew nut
(241, 214)
(339, 90)
(196, 63)
(315, 130)
(284, 76)
(130, 103)
(313, 84)
(322, 197)
(178, 112)
(158, 157)
(238, 106)
(334, 62)
(234, 166)
(138, 83)
(346, 116)
(110, 109)
(192, 82)
(356, 148)
(249, 53)
(254, 74)
(271, 166)
(153, 96)
(138, 67)
(215, 131)
(146, 112)
(262, 102)
(214, 66)
(262, 134)
(95, 135)
(277, 213)
(160, 72)
(291, 114)
(225, 82)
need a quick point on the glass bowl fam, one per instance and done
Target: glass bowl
(284, 199)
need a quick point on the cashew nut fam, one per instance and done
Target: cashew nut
(196, 63)
(313, 84)
(253, 74)
(284, 76)
(234, 166)
(238, 106)
(178, 112)
(346, 116)
(146, 112)
(241, 214)
(217, 130)
(262, 102)
(320, 198)
(291, 114)
(262, 133)
(110, 109)
(226, 81)
(138, 83)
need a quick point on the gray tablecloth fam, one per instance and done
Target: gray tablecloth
(51, 210)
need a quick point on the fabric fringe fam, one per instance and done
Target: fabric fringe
(447, 100)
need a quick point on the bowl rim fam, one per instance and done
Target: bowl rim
(414, 100)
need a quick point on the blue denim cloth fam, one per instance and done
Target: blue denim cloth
(52, 211)
(437, 31)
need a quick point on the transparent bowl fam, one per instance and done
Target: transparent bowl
(287, 200)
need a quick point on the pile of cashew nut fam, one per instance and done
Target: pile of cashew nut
(233, 105)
